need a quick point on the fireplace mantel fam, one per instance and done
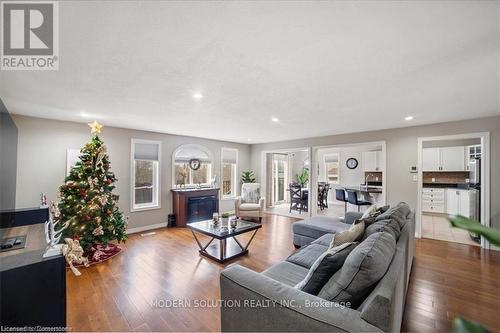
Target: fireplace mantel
(194, 204)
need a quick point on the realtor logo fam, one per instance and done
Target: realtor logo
(30, 35)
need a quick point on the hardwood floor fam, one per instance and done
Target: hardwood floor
(118, 295)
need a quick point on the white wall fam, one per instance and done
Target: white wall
(41, 166)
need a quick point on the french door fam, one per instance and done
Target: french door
(280, 179)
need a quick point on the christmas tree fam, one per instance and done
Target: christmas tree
(87, 201)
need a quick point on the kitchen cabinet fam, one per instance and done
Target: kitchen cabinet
(372, 161)
(431, 159)
(452, 158)
(443, 159)
(471, 153)
(457, 202)
(433, 200)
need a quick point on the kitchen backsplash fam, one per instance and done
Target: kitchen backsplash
(374, 176)
(458, 177)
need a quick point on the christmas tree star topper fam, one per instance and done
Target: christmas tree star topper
(95, 127)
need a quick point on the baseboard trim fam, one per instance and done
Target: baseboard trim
(494, 248)
(146, 227)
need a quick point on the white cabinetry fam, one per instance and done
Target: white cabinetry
(457, 202)
(452, 158)
(443, 159)
(372, 161)
(433, 200)
(431, 160)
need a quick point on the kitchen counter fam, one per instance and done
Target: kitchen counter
(32, 253)
(464, 186)
(363, 189)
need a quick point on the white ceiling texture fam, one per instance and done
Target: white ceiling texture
(320, 68)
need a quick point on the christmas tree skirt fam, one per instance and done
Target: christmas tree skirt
(99, 253)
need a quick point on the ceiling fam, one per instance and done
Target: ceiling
(321, 68)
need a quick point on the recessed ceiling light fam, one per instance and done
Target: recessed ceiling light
(408, 118)
(274, 119)
(249, 140)
(84, 114)
(197, 96)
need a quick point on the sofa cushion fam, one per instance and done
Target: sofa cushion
(363, 268)
(286, 272)
(390, 226)
(306, 256)
(354, 233)
(317, 226)
(249, 206)
(324, 267)
(324, 240)
(398, 213)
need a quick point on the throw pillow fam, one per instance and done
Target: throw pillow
(354, 233)
(250, 193)
(324, 267)
(369, 218)
(362, 270)
(389, 226)
(397, 213)
(370, 210)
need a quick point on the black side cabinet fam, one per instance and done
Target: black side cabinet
(34, 295)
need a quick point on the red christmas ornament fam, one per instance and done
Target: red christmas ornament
(87, 217)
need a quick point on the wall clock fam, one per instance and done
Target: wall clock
(194, 164)
(352, 163)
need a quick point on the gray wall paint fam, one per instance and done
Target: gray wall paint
(8, 160)
(42, 162)
(402, 153)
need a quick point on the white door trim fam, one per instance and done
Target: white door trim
(263, 172)
(485, 178)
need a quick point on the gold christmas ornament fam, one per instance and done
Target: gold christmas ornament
(95, 127)
(73, 253)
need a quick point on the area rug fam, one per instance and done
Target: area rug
(99, 253)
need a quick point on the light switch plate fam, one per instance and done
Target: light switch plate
(433, 180)
(415, 178)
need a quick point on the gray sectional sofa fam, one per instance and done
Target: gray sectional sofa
(308, 230)
(268, 301)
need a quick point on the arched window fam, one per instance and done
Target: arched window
(192, 165)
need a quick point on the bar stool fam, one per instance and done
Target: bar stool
(352, 198)
(340, 196)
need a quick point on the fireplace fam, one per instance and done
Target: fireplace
(192, 205)
(201, 208)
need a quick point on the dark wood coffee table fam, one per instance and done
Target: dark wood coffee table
(229, 246)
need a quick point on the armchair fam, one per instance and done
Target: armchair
(250, 203)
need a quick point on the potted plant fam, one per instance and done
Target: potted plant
(247, 177)
(225, 218)
(303, 177)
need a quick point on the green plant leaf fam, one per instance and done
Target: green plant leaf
(247, 177)
(461, 325)
(492, 235)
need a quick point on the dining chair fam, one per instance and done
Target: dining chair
(340, 196)
(352, 198)
(298, 200)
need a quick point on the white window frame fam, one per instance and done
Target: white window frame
(325, 164)
(156, 204)
(190, 176)
(235, 173)
(210, 168)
